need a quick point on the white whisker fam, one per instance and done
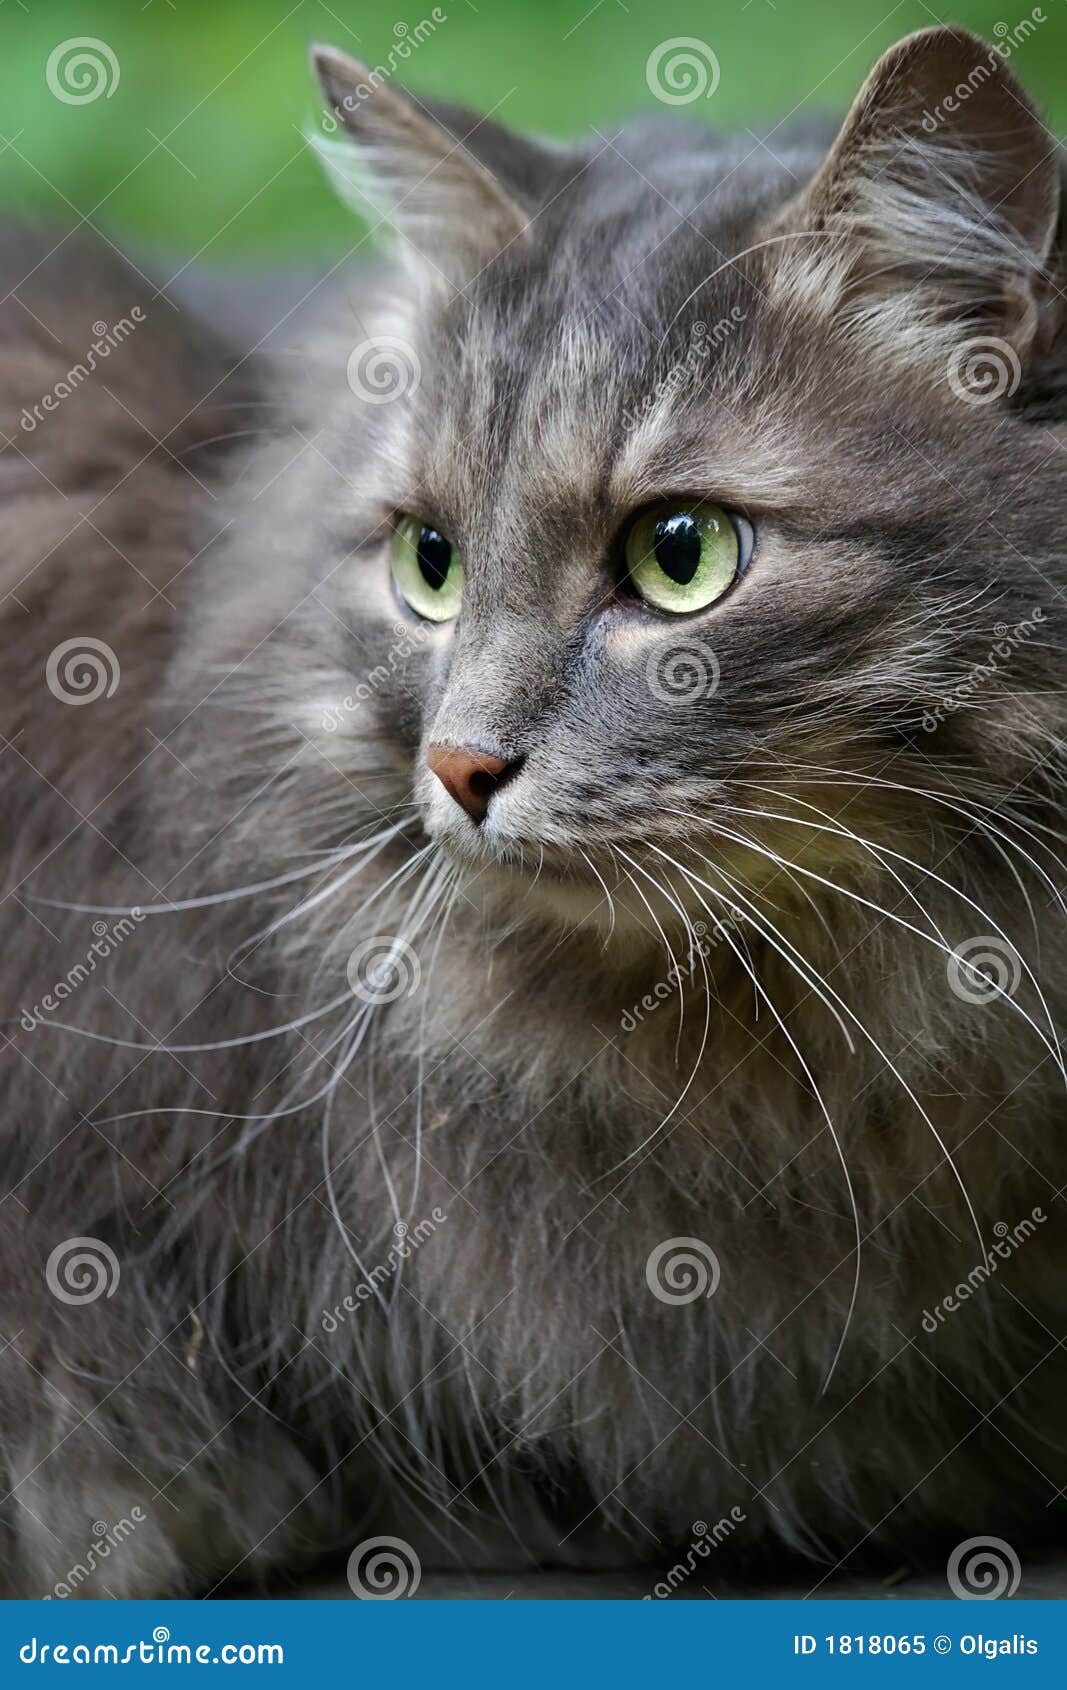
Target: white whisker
(796, 958)
(761, 989)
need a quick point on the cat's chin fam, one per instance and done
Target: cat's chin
(524, 879)
(526, 888)
(517, 877)
(525, 883)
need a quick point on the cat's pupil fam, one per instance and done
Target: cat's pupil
(435, 557)
(677, 547)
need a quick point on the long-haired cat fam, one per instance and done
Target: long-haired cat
(533, 924)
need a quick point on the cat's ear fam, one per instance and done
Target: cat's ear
(938, 203)
(416, 169)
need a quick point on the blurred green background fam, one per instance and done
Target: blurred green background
(198, 150)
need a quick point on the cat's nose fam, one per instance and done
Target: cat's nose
(468, 775)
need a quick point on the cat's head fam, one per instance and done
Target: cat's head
(686, 487)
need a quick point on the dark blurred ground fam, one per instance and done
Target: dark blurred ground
(1046, 1581)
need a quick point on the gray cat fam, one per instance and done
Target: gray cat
(533, 925)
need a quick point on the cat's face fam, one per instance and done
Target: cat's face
(639, 568)
(682, 522)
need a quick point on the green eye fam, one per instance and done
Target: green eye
(683, 557)
(427, 572)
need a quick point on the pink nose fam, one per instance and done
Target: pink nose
(469, 776)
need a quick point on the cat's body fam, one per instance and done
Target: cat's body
(517, 1375)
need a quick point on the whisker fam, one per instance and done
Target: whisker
(879, 852)
(680, 1099)
(1051, 1045)
(254, 887)
(869, 1036)
(759, 987)
(611, 905)
(331, 891)
(666, 942)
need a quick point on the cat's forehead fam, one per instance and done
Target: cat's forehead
(547, 387)
(655, 336)
(568, 402)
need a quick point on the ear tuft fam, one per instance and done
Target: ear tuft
(938, 204)
(401, 165)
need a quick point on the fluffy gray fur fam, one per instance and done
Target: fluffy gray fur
(244, 1133)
